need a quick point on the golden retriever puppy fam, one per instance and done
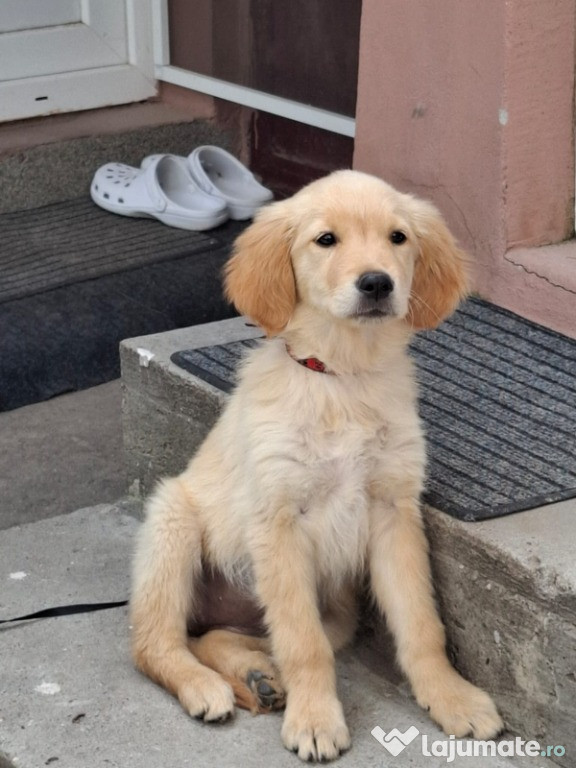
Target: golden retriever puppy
(311, 479)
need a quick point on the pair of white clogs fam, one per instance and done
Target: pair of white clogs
(197, 192)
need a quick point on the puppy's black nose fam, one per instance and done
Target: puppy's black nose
(375, 285)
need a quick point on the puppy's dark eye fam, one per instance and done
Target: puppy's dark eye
(397, 237)
(326, 240)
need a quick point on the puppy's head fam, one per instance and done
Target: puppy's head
(352, 247)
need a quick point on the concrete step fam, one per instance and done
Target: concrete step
(70, 697)
(506, 587)
(54, 159)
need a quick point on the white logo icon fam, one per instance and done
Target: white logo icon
(395, 741)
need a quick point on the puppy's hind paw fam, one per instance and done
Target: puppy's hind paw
(268, 692)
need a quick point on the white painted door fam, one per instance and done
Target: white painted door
(68, 55)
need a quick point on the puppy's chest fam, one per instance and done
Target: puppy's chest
(330, 487)
(335, 464)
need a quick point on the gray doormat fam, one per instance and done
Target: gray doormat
(497, 397)
(69, 242)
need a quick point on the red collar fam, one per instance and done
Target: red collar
(312, 363)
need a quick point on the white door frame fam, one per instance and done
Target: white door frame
(239, 94)
(125, 73)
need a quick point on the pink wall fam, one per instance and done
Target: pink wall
(470, 104)
(539, 137)
(427, 123)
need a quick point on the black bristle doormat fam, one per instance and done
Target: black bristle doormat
(76, 280)
(75, 240)
(497, 398)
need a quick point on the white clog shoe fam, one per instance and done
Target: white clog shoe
(163, 190)
(219, 173)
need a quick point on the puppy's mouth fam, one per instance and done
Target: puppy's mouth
(376, 313)
(373, 310)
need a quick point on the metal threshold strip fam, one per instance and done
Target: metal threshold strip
(249, 97)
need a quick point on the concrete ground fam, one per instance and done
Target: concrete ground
(61, 455)
(69, 696)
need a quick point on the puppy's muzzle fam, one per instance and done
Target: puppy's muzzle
(375, 289)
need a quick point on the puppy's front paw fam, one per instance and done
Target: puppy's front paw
(315, 730)
(207, 696)
(461, 708)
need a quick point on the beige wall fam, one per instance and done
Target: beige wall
(471, 105)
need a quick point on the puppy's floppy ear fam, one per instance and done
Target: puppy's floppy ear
(259, 279)
(440, 279)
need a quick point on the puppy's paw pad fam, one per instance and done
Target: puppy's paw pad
(267, 690)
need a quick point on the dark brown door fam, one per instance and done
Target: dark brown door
(308, 52)
(304, 50)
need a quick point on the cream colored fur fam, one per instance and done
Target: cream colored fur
(309, 481)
